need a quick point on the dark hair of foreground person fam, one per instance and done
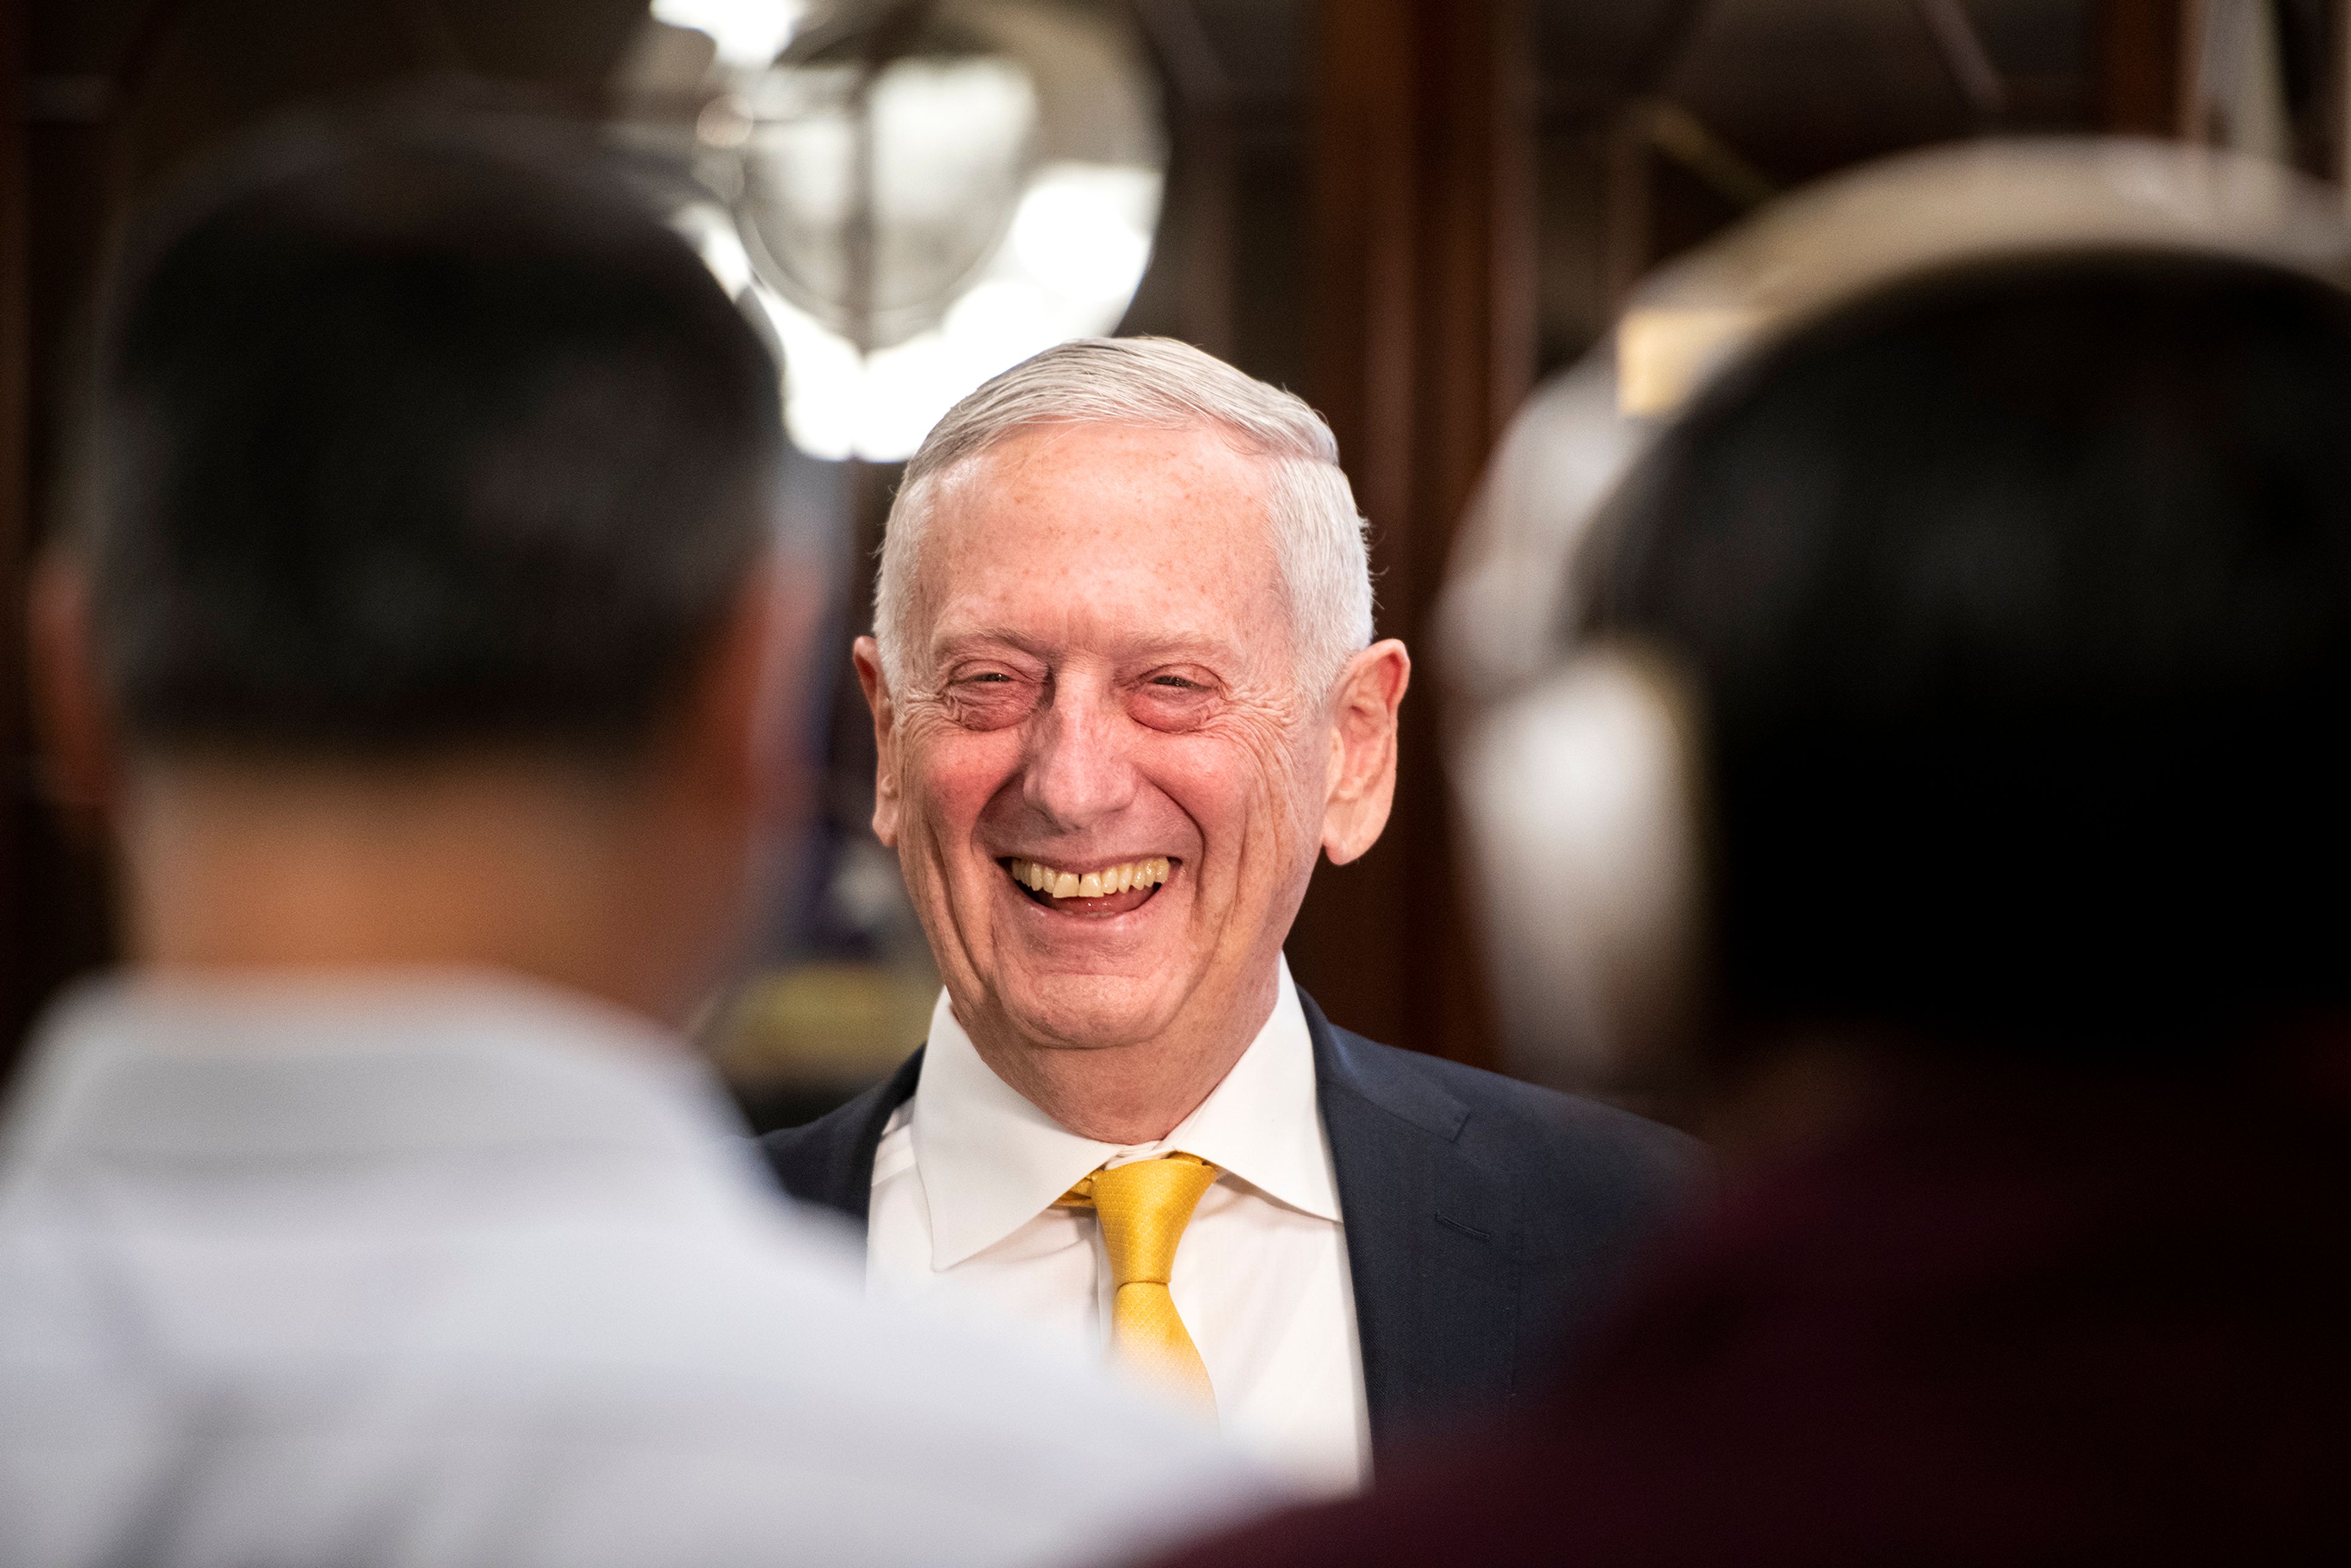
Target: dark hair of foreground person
(2019, 606)
(382, 434)
(2015, 606)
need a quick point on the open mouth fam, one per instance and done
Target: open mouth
(1102, 890)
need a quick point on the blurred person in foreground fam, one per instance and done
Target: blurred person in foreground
(430, 623)
(2004, 618)
(1126, 696)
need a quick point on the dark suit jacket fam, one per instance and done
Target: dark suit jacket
(1486, 1220)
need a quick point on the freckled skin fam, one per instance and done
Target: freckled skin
(1104, 672)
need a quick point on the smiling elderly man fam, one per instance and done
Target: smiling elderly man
(1125, 692)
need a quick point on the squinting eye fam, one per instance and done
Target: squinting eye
(989, 699)
(1178, 681)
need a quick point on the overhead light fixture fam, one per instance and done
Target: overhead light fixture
(917, 197)
(749, 33)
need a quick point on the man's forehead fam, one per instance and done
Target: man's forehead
(1128, 541)
(1063, 505)
(1139, 464)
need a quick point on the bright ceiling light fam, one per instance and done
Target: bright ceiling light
(749, 33)
(913, 224)
(1029, 297)
(945, 158)
(1084, 230)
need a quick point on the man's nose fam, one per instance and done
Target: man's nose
(1080, 765)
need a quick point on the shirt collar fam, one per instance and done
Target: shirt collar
(991, 1162)
(360, 1066)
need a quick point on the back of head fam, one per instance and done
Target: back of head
(416, 440)
(2017, 603)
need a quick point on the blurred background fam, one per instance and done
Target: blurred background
(1414, 213)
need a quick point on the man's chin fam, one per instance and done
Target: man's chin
(1088, 1014)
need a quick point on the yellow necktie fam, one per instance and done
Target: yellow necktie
(1144, 1207)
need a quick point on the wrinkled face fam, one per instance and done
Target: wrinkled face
(1104, 782)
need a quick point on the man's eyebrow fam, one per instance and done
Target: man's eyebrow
(947, 647)
(1174, 644)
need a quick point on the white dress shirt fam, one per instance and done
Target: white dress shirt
(466, 1271)
(964, 1184)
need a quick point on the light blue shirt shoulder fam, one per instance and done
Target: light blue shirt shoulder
(454, 1270)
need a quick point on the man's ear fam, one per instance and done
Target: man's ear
(81, 760)
(867, 657)
(1363, 748)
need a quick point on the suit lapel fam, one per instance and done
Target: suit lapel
(1432, 1240)
(831, 1160)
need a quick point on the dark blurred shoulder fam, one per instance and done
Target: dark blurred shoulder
(829, 1161)
(1531, 1133)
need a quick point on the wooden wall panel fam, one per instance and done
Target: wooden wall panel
(1423, 345)
(2141, 64)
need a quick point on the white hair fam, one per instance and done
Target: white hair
(1318, 533)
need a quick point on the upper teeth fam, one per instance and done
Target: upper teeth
(1057, 883)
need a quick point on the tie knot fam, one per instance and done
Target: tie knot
(1144, 1207)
